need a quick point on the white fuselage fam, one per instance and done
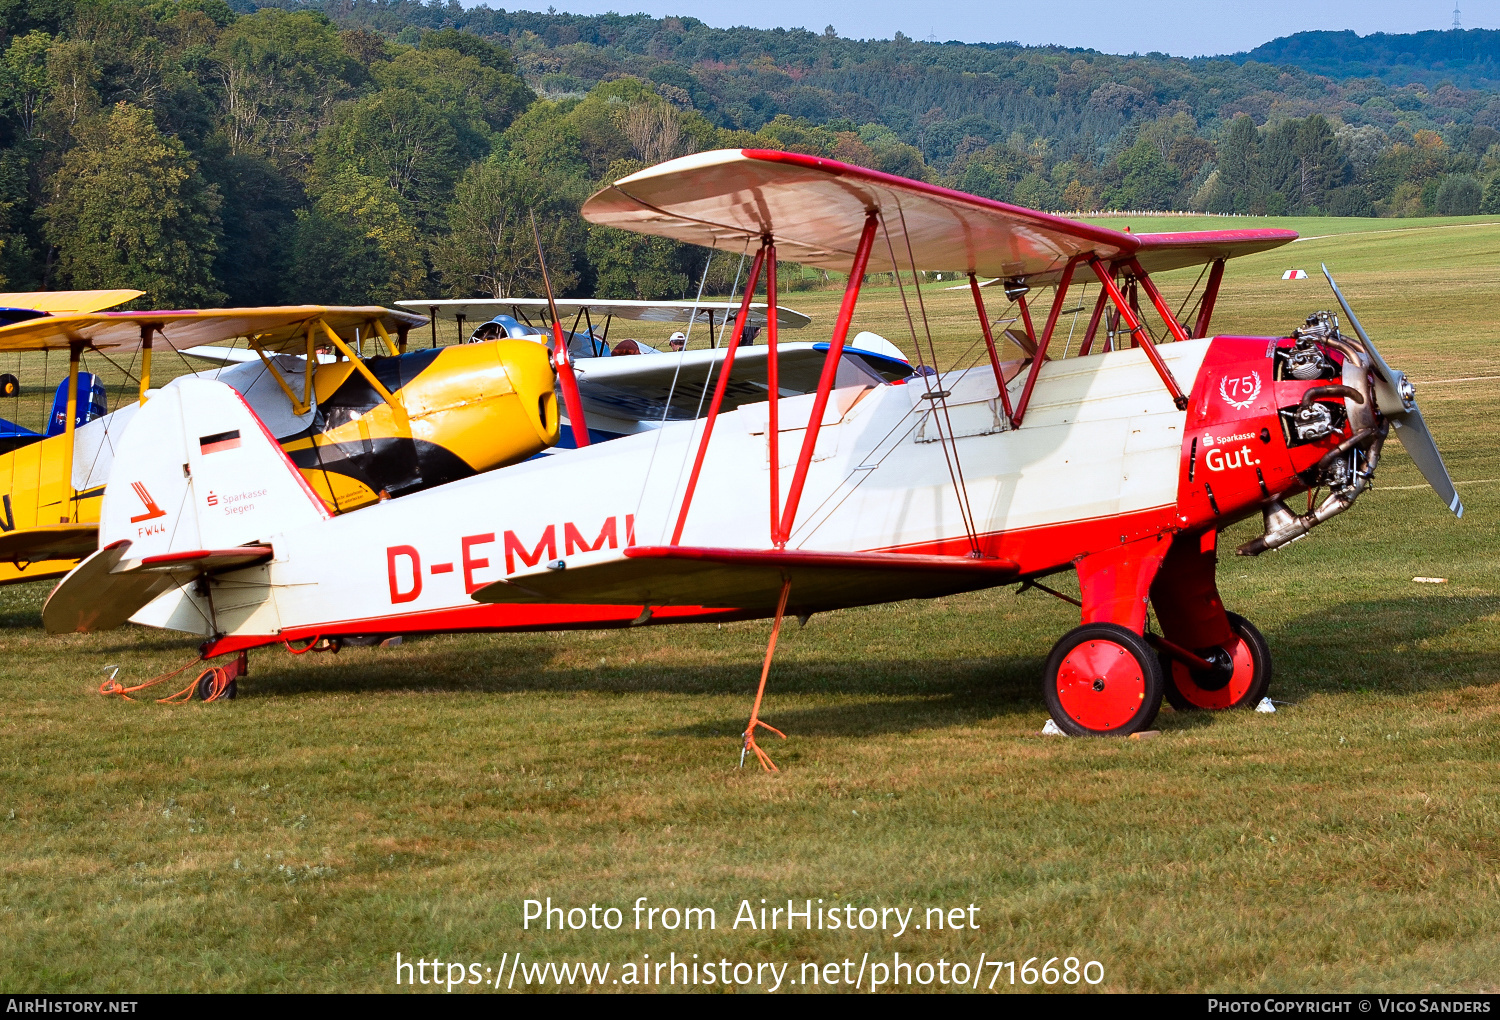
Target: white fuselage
(1101, 438)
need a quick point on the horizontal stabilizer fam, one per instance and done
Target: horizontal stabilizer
(107, 589)
(196, 561)
(751, 578)
(52, 542)
(93, 597)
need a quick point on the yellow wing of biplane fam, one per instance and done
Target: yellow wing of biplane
(56, 302)
(273, 329)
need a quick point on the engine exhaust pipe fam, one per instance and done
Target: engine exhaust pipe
(1284, 527)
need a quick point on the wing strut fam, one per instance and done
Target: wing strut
(989, 343)
(1210, 296)
(65, 497)
(146, 330)
(1041, 348)
(1088, 336)
(719, 388)
(1162, 308)
(773, 421)
(830, 369)
(1135, 327)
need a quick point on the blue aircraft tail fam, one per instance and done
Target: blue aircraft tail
(91, 404)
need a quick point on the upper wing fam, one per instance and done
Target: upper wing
(55, 302)
(641, 311)
(677, 386)
(1160, 253)
(815, 209)
(276, 328)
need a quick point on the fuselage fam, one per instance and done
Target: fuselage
(1103, 458)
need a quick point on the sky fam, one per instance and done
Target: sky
(1187, 28)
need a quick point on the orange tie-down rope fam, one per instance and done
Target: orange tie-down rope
(222, 675)
(760, 693)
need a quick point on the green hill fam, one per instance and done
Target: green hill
(1464, 58)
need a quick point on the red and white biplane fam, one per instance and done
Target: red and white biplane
(1121, 462)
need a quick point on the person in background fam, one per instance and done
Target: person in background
(625, 347)
(678, 341)
(748, 337)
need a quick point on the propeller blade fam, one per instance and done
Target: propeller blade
(1389, 395)
(1412, 431)
(1411, 428)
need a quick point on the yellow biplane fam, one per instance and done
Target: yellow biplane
(358, 429)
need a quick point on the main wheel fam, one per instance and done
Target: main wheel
(9, 385)
(1102, 680)
(1241, 674)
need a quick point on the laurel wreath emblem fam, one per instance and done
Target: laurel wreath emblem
(1239, 405)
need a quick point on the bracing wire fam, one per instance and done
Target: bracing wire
(667, 408)
(1083, 302)
(965, 506)
(844, 491)
(1189, 294)
(931, 395)
(47, 420)
(119, 402)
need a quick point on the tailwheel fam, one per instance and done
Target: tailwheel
(1240, 677)
(9, 385)
(1102, 680)
(206, 685)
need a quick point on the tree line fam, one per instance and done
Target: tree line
(352, 152)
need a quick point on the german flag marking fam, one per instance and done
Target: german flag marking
(219, 442)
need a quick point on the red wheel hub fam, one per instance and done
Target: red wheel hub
(1228, 695)
(1100, 685)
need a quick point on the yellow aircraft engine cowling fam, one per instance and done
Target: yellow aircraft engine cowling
(455, 412)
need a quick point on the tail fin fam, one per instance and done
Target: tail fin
(92, 403)
(197, 470)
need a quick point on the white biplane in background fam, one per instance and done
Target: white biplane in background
(621, 397)
(1121, 463)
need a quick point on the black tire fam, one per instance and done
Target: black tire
(1188, 691)
(9, 385)
(1102, 680)
(206, 688)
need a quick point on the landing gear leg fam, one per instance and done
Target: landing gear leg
(1193, 617)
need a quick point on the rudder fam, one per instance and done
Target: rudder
(197, 469)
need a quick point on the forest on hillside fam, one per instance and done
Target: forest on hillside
(1468, 57)
(210, 152)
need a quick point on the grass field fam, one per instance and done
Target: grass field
(408, 800)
